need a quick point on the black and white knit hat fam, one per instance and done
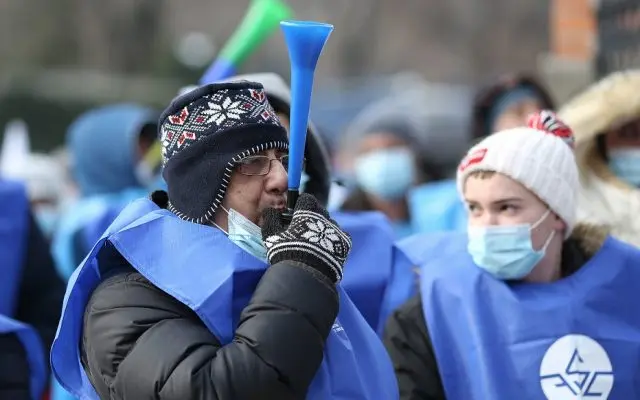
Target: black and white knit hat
(204, 133)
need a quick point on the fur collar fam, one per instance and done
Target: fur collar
(589, 237)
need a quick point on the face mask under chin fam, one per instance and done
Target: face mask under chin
(245, 234)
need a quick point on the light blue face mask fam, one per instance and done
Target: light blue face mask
(506, 252)
(47, 219)
(246, 235)
(387, 174)
(625, 164)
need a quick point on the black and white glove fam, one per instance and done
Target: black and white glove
(312, 238)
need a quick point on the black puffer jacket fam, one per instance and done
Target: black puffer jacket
(14, 365)
(140, 343)
(41, 288)
(39, 302)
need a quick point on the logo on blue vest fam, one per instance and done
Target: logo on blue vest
(338, 329)
(576, 367)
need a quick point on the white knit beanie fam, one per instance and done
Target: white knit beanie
(539, 156)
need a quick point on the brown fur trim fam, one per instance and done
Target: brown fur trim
(590, 237)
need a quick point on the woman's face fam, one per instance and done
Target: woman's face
(494, 199)
(516, 115)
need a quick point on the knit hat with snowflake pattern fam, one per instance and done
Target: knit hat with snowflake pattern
(204, 133)
(538, 156)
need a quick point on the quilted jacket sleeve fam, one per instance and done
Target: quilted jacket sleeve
(140, 343)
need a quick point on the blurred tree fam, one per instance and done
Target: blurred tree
(452, 40)
(126, 35)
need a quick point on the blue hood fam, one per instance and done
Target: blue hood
(103, 146)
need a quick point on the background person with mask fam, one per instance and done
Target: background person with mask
(44, 178)
(107, 146)
(400, 155)
(606, 122)
(505, 309)
(43, 175)
(388, 163)
(430, 122)
(507, 103)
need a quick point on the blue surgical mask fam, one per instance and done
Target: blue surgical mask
(47, 219)
(625, 164)
(246, 235)
(506, 252)
(387, 174)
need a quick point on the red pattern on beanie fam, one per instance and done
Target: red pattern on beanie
(548, 121)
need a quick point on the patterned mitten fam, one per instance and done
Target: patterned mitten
(312, 238)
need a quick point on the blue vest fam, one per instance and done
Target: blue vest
(576, 338)
(355, 365)
(436, 207)
(369, 266)
(91, 216)
(33, 348)
(13, 233)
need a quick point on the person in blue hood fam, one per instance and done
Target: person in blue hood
(530, 303)
(107, 148)
(204, 291)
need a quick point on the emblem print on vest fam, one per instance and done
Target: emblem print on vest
(576, 367)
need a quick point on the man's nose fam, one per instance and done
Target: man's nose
(277, 177)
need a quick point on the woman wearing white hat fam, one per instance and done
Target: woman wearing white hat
(606, 122)
(529, 304)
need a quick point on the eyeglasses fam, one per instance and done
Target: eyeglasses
(260, 165)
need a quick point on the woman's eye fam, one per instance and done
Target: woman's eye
(508, 208)
(473, 209)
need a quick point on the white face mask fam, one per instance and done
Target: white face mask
(245, 234)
